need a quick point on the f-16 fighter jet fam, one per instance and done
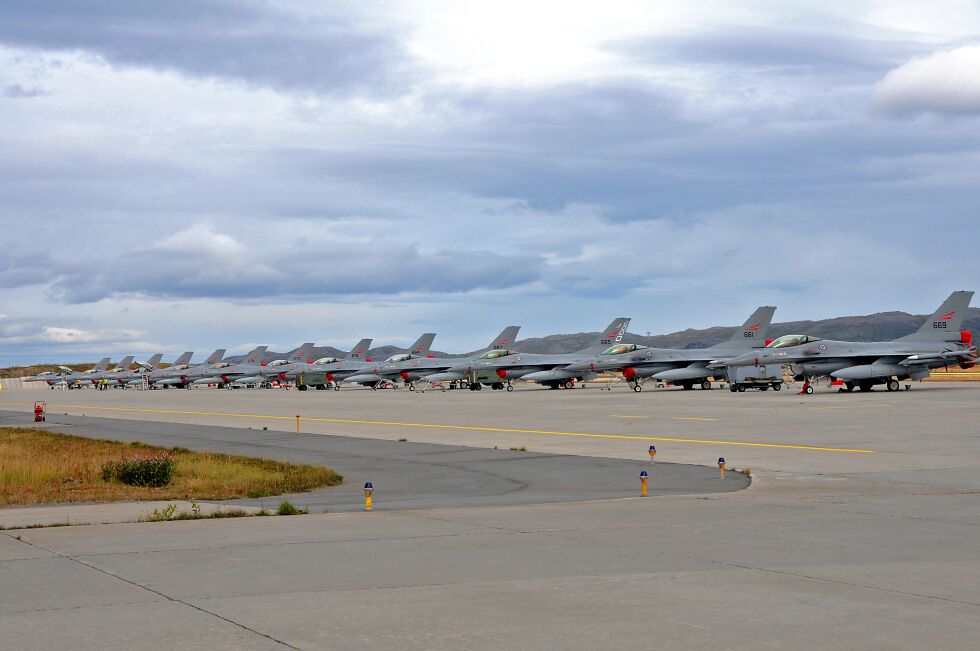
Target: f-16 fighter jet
(330, 370)
(937, 343)
(434, 369)
(179, 375)
(224, 373)
(496, 368)
(684, 367)
(371, 374)
(67, 376)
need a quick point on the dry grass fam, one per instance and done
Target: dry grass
(955, 374)
(38, 467)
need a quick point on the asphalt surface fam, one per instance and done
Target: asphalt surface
(860, 530)
(409, 475)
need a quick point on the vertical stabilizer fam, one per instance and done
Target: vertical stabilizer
(421, 347)
(506, 338)
(753, 332)
(360, 351)
(611, 334)
(215, 357)
(255, 357)
(946, 322)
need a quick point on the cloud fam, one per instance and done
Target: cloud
(265, 44)
(943, 82)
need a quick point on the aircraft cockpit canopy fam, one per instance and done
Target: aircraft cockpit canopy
(277, 362)
(792, 340)
(619, 349)
(326, 360)
(221, 365)
(400, 357)
(494, 354)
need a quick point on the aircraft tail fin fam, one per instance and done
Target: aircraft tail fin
(184, 359)
(506, 338)
(125, 362)
(421, 347)
(256, 355)
(302, 354)
(215, 357)
(155, 360)
(103, 364)
(753, 332)
(945, 323)
(360, 351)
(611, 334)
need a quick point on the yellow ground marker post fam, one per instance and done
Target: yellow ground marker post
(721, 466)
(297, 423)
(368, 489)
(653, 454)
(644, 477)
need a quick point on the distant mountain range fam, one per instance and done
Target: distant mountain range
(873, 327)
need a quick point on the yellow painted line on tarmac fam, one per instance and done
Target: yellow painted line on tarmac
(475, 428)
(625, 416)
(691, 418)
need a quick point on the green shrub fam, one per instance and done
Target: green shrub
(288, 508)
(153, 471)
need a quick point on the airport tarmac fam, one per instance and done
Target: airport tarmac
(860, 530)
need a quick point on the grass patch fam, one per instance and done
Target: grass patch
(37, 467)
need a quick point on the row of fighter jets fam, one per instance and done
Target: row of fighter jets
(938, 343)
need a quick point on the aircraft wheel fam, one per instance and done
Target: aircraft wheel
(479, 387)
(809, 391)
(893, 385)
(636, 387)
(776, 386)
(706, 384)
(510, 387)
(336, 387)
(411, 387)
(741, 388)
(733, 388)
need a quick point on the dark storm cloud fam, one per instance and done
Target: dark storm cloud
(245, 40)
(304, 272)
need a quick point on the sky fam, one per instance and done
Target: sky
(188, 175)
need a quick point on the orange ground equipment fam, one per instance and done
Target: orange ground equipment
(39, 411)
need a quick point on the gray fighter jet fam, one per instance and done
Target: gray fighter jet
(327, 371)
(179, 375)
(113, 374)
(224, 373)
(278, 369)
(938, 343)
(68, 376)
(78, 379)
(434, 369)
(497, 368)
(684, 367)
(373, 374)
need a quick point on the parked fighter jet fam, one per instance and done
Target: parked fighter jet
(178, 375)
(75, 380)
(434, 369)
(301, 358)
(135, 376)
(372, 374)
(497, 368)
(936, 344)
(326, 371)
(67, 376)
(114, 373)
(224, 373)
(685, 367)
